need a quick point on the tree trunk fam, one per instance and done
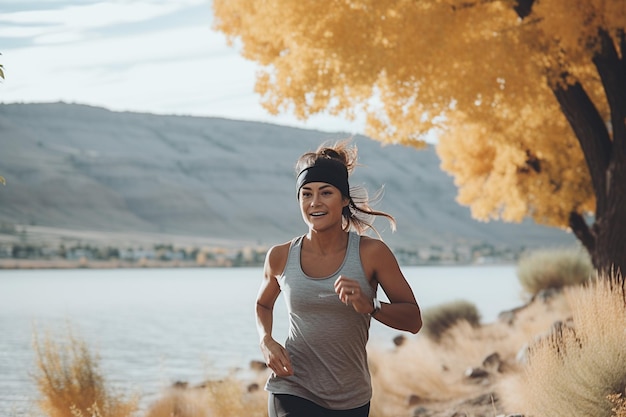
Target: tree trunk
(610, 252)
(606, 161)
(604, 150)
(609, 227)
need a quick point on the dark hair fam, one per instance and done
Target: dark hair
(358, 214)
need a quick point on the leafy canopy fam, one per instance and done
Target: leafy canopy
(470, 69)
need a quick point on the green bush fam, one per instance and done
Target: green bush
(437, 320)
(553, 269)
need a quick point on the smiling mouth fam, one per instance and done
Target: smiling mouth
(318, 214)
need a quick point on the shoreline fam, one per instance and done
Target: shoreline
(18, 263)
(15, 264)
(102, 264)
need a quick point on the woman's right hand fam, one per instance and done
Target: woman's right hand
(276, 357)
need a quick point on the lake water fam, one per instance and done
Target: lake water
(152, 327)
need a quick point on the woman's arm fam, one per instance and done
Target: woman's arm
(275, 355)
(402, 312)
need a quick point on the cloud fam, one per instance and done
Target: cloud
(75, 22)
(156, 56)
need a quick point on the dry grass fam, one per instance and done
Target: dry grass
(426, 373)
(573, 371)
(556, 268)
(222, 398)
(70, 383)
(438, 319)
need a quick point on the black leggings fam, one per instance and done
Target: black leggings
(284, 405)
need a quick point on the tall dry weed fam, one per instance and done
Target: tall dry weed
(573, 371)
(70, 383)
(553, 268)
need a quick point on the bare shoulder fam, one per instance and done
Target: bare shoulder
(371, 246)
(377, 259)
(276, 259)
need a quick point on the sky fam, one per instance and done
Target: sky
(152, 56)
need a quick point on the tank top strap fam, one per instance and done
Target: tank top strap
(293, 257)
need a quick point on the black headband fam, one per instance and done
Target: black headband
(326, 170)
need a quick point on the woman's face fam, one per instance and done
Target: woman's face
(321, 205)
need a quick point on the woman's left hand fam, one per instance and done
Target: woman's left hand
(350, 292)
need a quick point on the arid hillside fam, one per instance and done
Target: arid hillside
(77, 167)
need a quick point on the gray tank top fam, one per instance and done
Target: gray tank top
(327, 339)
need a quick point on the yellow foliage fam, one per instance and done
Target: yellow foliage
(473, 72)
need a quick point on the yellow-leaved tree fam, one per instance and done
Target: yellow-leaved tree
(528, 97)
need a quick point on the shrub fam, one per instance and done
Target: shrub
(554, 268)
(437, 320)
(220, 398)
(70, 384)
(579, 370)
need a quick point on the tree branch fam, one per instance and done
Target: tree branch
(591, 132)
(612, 72)
(582, 231)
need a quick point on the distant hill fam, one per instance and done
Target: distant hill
(85, 168)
